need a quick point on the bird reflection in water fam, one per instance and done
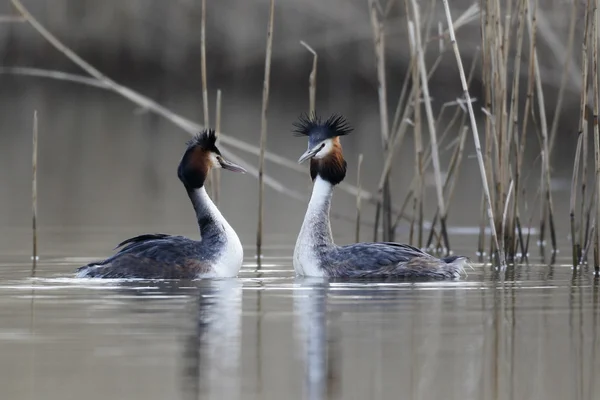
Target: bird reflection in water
(317, 340)
(213, 349)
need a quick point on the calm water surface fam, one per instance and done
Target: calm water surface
(532, 333)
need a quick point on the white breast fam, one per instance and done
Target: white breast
(230, 260)
(305, 260)
(231, 256)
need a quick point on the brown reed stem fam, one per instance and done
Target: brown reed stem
(584, 175)
(217, 177)
(512, 127)
(379, 44)
(485, 17)
(263, 129)
(582, 133)
(376, 226)
(312, 80)
(430, 123)
(505, 213)
(596, 127)
(417, 209)
(358, 202)
(545, 181)
(526, 113)
(576, 248)
(203, 62)
(481, 236)
(209, 181)
(34, 193)
(499, 250)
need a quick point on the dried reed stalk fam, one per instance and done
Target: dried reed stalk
(596, 130)
(581, 147)
(576, 250)
(583, 228)
(431, 124)
(379, 45)
(505, 213)
(312, 80)
(263, 129)
(358, 202)
(485, 21)
(417, 212)
(204, 83)
(545, 181)
(584, 218)
(490, 212)
(526, 113)
(203, 62)
(512, 127)
(34, 193)
(217, 176)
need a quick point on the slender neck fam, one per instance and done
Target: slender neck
(210, 220)
(316, 222)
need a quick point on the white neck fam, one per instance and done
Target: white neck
(316, 230)
(231, 256)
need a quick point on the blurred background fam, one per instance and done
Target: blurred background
(105, 163)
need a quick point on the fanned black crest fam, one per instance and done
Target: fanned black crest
(206, 139)
(317, 130)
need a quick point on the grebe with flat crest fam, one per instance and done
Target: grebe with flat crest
(219, 253)
(315, 253)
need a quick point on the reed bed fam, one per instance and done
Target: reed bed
(509, 32)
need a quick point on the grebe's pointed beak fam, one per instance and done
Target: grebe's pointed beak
(310, 153)
(228, 165)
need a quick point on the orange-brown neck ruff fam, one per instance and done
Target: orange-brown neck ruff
(194, 167)
(332, 167)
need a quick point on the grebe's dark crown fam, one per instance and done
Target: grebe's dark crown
(318, 130)
(205, 139)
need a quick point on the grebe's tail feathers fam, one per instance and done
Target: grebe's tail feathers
(373, 260)
(426, 267)
(126, 246)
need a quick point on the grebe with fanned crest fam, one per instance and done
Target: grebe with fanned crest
(315, 253)
(219, 253)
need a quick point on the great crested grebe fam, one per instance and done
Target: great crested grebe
(219, 253)
(316, 254)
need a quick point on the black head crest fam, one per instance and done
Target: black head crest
(317, 130)
(206, 139)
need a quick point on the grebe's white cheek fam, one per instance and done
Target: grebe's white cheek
(326, 149)
(214, 160)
